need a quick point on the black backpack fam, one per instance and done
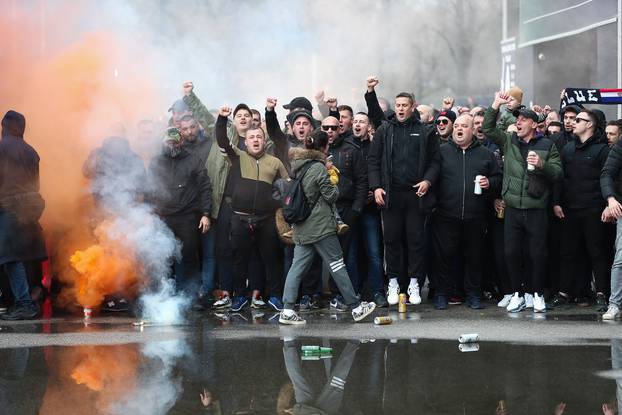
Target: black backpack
(296, 206)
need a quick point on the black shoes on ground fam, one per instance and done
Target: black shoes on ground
(21, 312)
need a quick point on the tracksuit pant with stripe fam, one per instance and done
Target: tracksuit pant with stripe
(329, 249)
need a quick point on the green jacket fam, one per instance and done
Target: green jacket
(515, 177)
(317, 186)
(217, 164)
(505, 120)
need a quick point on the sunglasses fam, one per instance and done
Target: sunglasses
(578, 120)
(330, 127)
(443, 121)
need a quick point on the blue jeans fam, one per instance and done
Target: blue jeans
(616, 270)
(370, 232)
(208, 267)
(19, 283)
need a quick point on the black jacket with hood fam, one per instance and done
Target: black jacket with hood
(179, 183)
(353, 186)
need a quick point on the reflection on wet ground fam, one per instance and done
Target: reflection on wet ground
(199, 373)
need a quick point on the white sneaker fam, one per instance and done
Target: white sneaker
(612, 313)
(539, 306)
(393, 294)
(528, 300)
(505, 301)
(258, 302)
(517, 304)
(413, 294)
(363, 310)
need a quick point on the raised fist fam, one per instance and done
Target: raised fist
(331, 102)
(270, 103)
(224, 111)
(188, 87)
(448, 103)
(372, 82)
(319, 96)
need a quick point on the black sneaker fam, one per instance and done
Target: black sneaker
(380, 300)
(21, 312)
(601, 302)
(337, 305)
(558, 301)
(583, 301)
(115, 305)
(305, 304)
(474, 302)
(440, 302)
(204, 302)
(316, 302)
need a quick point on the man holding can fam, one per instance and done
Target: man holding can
(469, 174)
(526, 195)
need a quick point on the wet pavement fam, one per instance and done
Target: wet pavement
(245, 363)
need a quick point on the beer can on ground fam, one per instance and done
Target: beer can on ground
(314, 348)
(469, 338)
(401, 306)
(468, 347)
(88, 312)
(380, 321)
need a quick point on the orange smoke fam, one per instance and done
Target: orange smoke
(103, 269)
(72, 87)
(89, 379)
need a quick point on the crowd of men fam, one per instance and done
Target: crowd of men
(501, 203)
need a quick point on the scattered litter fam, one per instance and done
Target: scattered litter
(469, 338)
(468, 347)
(381, 321)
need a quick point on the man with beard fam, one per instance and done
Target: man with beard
(460, 215)
(21, 206)
(613, 131)
(403, 166)
(478, 120)
(346, 157)
(369, 228)
(445, 125)
(580, 208)
(530, 163)
(181, 194)
(252, 224)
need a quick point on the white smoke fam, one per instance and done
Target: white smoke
(158, 387)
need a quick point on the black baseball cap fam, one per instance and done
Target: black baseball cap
(299, 102)
(241, 107)
(527, 113)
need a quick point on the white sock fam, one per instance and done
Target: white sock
(413, 282)
(288, 312)
(393, 282)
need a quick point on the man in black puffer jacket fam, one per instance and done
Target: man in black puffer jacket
(346, 156)
(580, 211)
(403, 164)
(460, 216)
(181, 193)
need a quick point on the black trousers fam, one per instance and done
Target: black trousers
(526, 228)
(185, 228)
(449, 236)
(248, 232)
(496, 227)
(404, 218)
(579, 233)
(352, 220)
